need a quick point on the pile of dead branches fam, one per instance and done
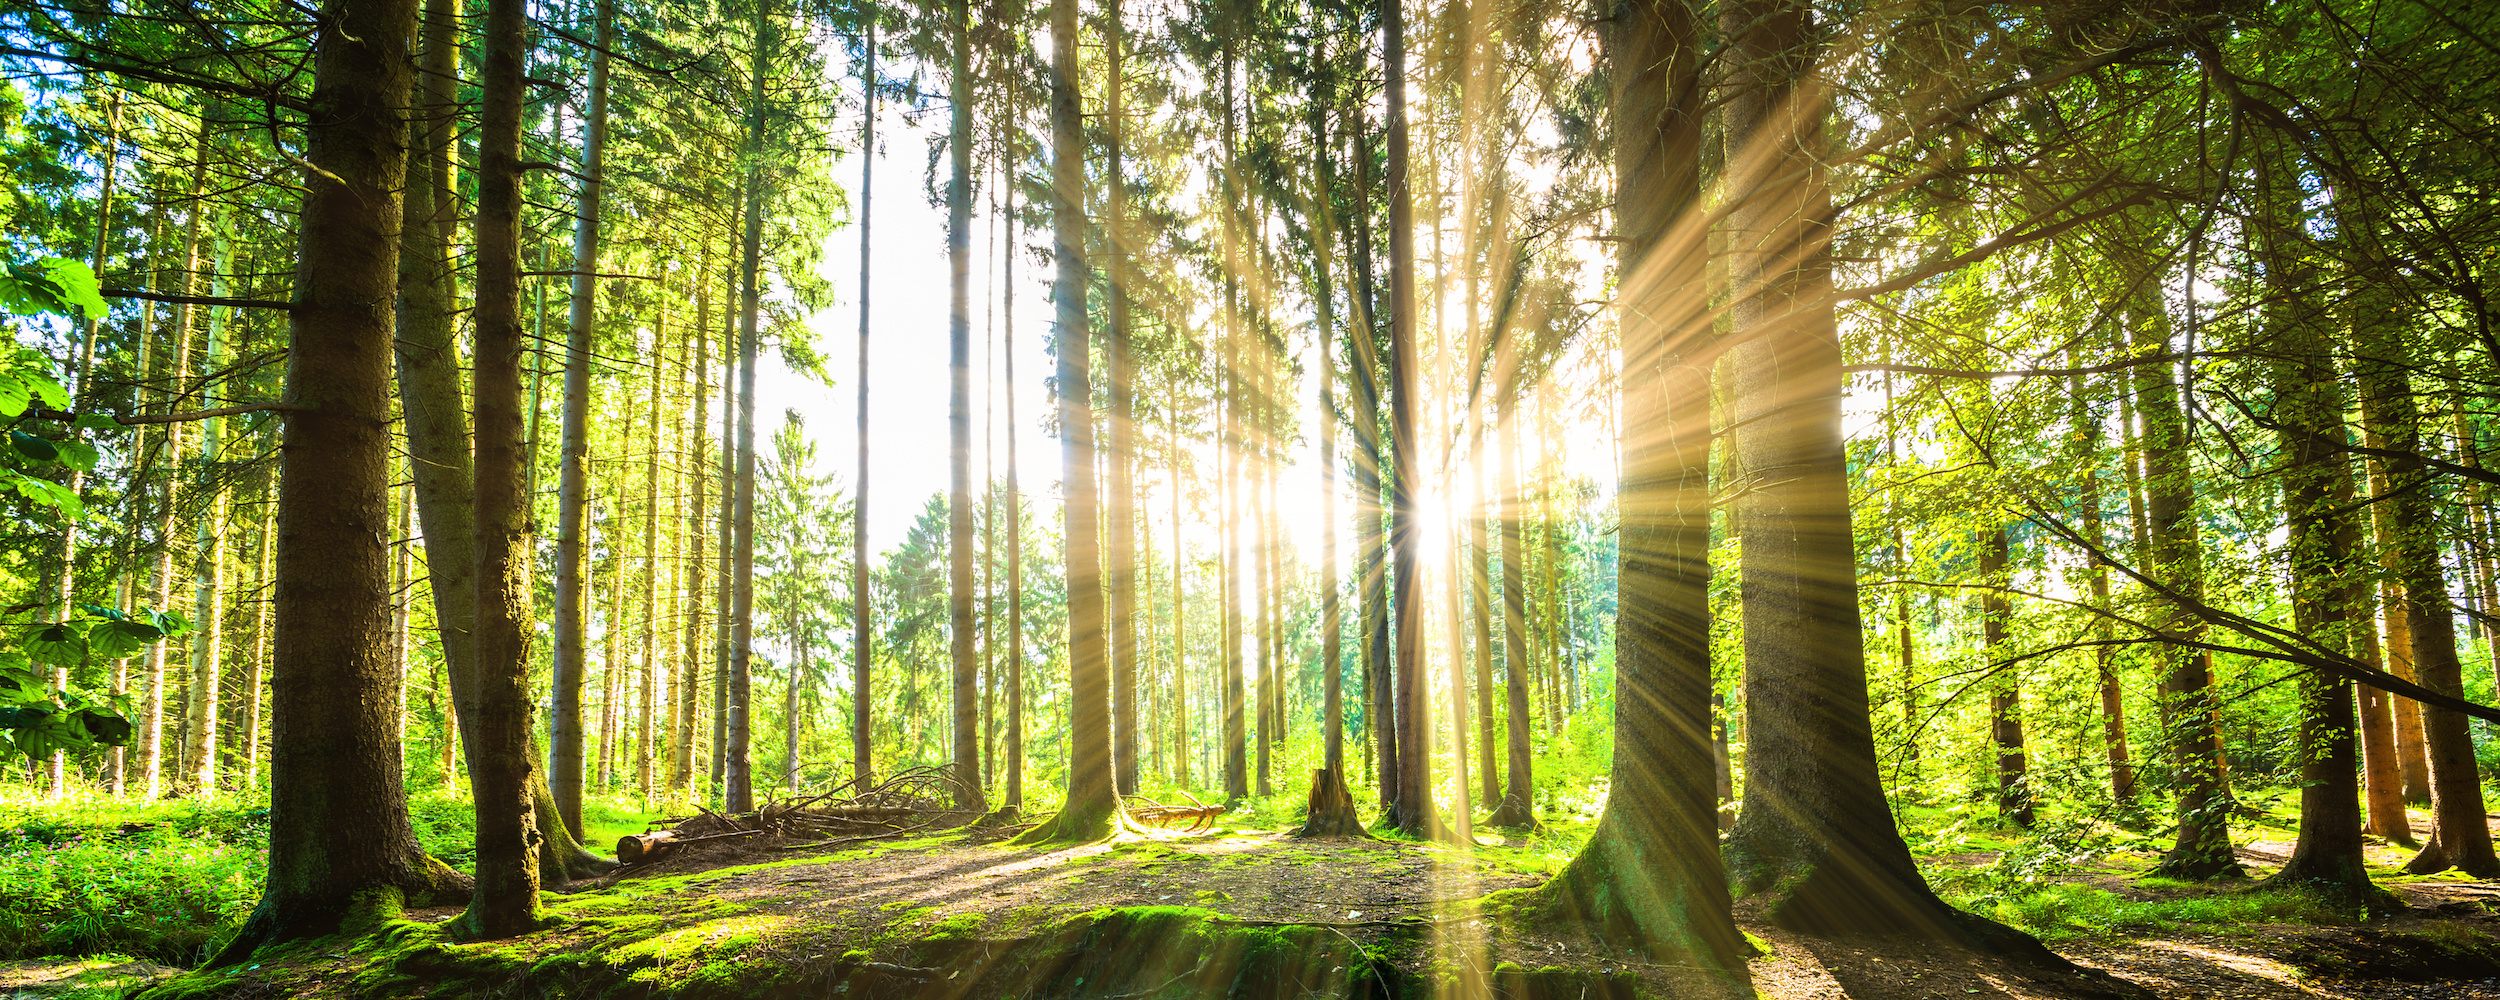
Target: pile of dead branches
(1200, 815)
(915, 800)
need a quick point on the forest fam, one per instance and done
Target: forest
(1501, 499)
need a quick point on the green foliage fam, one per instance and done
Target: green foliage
(2067, 911)
(166, 884)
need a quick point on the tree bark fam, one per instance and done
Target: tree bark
(692, 531)
(1120, 493)
(2203, 809)
(2005, 699)
(1650, 876)
(2460, 837)
(1411, 810)
(340, 842)
(1092, 809)
(963, 650)
(506, 899)
(564, 757)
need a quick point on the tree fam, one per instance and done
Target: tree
(963, 652)
(340, 843)
(506, 900)
(564, 759)
(1092, 809)
(1649, 877)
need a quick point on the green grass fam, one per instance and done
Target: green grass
(2067, 912)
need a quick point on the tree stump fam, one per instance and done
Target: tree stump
(1331, 812)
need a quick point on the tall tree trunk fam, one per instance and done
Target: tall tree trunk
(654, 676)
(2104, 657)
(964, 654)
(1092, 807)
(208, 574)
(1411, 811)
(2203, 809)
(506, 900)
(862, 637)
(169, 445)
(1120, 512)
(1650, 875)
(340, 841)
(2412, 758)
(1517, 808)
(2460, 837)
(1330, 811)
(2382, 773)
(1013, 797)
(737, 770)
(1370, 486)
(2329, 593)
(564, 756)
(691, 531)
(1228, 380)
(1816, 840)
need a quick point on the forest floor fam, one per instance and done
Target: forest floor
(1260, 914)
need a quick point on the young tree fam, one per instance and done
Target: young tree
(564, 756)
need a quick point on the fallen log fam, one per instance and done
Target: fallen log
(636, 848)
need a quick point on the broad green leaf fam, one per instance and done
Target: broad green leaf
(33, 447)
(77, 285)
(55, 642)
(19, 687)
(14, 395)
(78, 454)
(114, 640)
(103, 729)
(97, 422)
(49, 391)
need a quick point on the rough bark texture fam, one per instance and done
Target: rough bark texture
(506, 900)
(862, 632)
(1815, 841)
(2005, 698)
(1092, 809)
(1120, 493)
(1517, 805)
(2330, 601)
(1650, 877)
(340, 843)
(436, 422)
(737, 770)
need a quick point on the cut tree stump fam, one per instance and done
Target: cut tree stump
(1331, 811)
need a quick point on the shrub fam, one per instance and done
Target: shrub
(160, 892)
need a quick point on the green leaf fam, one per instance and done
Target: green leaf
(97, 422)
(55, 642)
(49, 391)
(169, 622)
(33, 447)
(103, 729)
(77, 285)
(14, 395)
(19, 687)
(114, 640)
(78, 455)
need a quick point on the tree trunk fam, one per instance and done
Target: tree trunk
(340, 842)
(208, 573)
(963, 653)
(1411, 810)
(160, 593)
(654, 676)
(506, 900)
(1816, 839)
(2005, 699)
(1330, 811)
(2104, 657)
(1228, 380)
(1092, 809)
(1650, 875)
(1013, 797)
(862, 636)
(1120, 510)
(1517, 809)
(2412, 760)
(564, 758)
(2460, 837)
(2329, 597)
(2203, 810)
(691, 530)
